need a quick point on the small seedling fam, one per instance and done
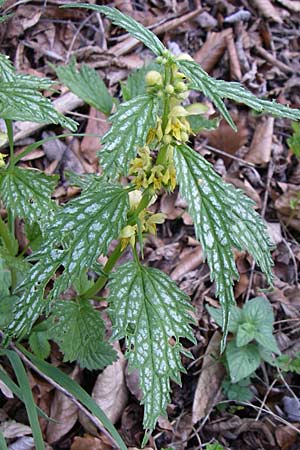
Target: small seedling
(252, 341)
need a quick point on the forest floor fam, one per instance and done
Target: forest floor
(257, 43)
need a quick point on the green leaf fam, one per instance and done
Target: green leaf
(201, 81)
(27, 398)
(130, 126)
(294, 140)
(242, 361)
(20, 101)
(132, 26)
(77, 235)
(224, 218)
(76, 391)
(87, 84)
(260, 312)
(245, 334)
(6, 309)
(216, 90)
(237, 391)
(149, 310)
(236, 317)
(199, 123)
(79, 330)
(5, 278)
(2, 440)
(39, 344)
(31, 303)
(27, 194)
(7, 70)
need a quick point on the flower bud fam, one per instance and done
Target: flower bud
(184, 57)
(180, 86)
(169, 89)
(153, 78)
(167, 139)
(184, 136)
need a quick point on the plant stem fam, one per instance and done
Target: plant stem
(166, 98)
(100, 283)
(10, 135)
(7, 239)
(11, 247)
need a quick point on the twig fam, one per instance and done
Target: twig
(228, 155)
(265, 399)
(271, 59)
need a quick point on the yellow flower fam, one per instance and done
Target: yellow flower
(127, 235)
(134, 199)
(152, 221)
(143, 161)
(177, 124)
(2, 162)
(156, 177)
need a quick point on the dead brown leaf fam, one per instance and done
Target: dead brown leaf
(190, 262)
(268, 10)
(212, 50)
(90, 145)
(209, 382)
(293, 5)
(285, 437)
(90, 443)
(261, 145)
(110, 391)
(226, 139)
(288, 206)
(64, 412)
(235, 67)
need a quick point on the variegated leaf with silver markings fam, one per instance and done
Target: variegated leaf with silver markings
(149, 310)
(130, 126)
(224, 219)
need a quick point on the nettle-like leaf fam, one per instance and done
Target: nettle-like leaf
(216, 90)
(27, 194)
(31, 303)
(149, 310)
(77, 235)
(79, 330)
(18, 101)
(130, 126)
(20, 98)
(223, 218)
(87, 84)
(129, 24)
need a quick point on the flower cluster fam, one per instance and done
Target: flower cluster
(157, 175)
(146, 222)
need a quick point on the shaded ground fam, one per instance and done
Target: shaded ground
(257, 43)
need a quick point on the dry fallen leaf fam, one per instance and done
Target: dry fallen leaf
(90, 443)
(209, 382)
(110, 391)
(261, 145)
(287, 205)
(90, 145)
(268, 10)
(293, 5)
(213, 49)
(64, 412)
(285, 437)
(12, 429)
(190, 262)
